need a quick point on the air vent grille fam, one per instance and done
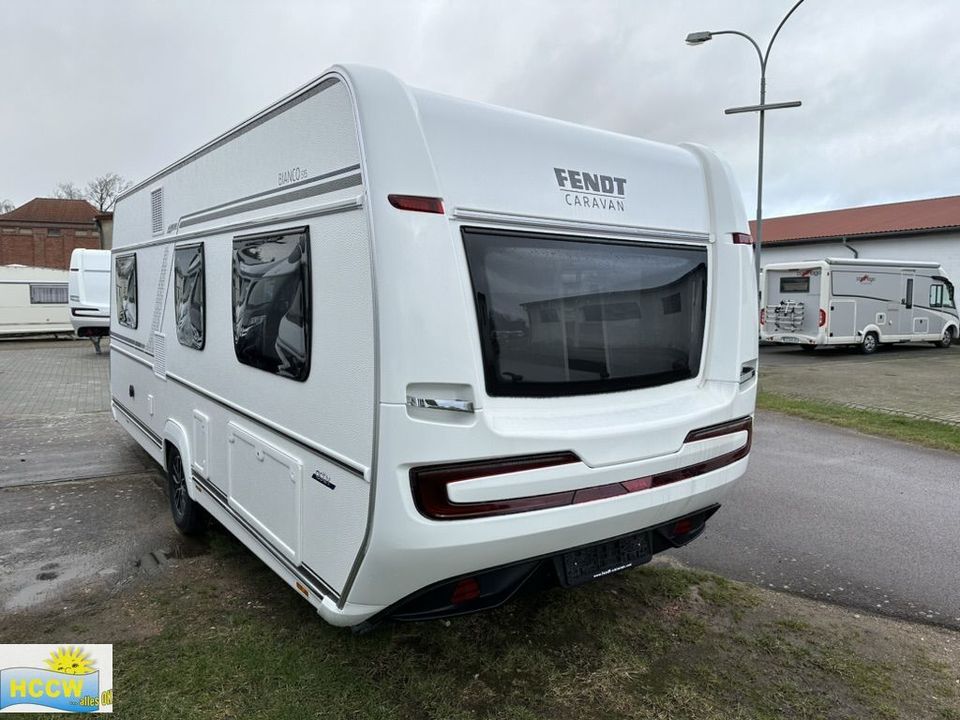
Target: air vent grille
(156, 210)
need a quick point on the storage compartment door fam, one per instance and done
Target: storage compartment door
(265, 486)
(843, 318)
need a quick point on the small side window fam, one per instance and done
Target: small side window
(48, 294)
(936, 296)
(271, 309)
(189, 297)
(126, 271)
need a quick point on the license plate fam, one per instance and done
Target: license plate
(589, 563)
(789, 339)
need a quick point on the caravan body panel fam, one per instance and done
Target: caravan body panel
(308, 346)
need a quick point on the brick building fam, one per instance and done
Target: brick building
(44, 231)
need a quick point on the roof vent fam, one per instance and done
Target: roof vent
(156, 210)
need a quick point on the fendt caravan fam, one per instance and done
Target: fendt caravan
(90, 294)
(857, 302)
(417, 352)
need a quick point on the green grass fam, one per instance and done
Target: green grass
(656, 642)
(220, 637)
(921, 432)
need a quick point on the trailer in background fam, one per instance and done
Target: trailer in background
(33, 301)
(857, 302)
(90, 294)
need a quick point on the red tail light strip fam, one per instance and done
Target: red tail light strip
(429, 483)
(417, 203)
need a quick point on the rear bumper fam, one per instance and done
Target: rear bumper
(90, 322)
(495, 586)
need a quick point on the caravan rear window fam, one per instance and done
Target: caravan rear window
(795, 284)
(561, 315)
(126, 269)
(271, 311)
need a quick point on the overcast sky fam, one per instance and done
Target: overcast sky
(125, 86)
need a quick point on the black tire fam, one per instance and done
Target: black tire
(188, 516)
(870, 343)
(947, 339)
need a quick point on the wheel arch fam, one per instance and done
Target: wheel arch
(175, 435)
(871, 328)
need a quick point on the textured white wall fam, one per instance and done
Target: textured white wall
(942, 248)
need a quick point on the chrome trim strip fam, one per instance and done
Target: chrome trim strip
(301, 194)
(130, 355)
(131, 342)
(459, 213)
(136, 421)
(464, 406)
(314, 583)
(339, 460)
(273, 191)
(336, 206)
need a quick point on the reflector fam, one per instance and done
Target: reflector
(416, 203)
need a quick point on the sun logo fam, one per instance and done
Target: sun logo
(70, 660)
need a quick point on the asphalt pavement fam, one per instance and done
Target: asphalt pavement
(839, 516)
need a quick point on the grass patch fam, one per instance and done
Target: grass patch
(219, 636)
(921, 432)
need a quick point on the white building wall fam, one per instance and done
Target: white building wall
(942, 248)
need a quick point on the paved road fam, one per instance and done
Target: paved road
(839, 516)
(915, 379)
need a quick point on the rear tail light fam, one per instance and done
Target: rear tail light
(763, 316)
(742, 238)
(417, 203)
(466, 590)
(823, 317)
(429, 483)
(682, 527)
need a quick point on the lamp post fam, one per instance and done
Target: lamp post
(698, 38)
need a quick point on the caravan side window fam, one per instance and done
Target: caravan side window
(936, 296)
(189, 295)
(271, 309)
(126, 269)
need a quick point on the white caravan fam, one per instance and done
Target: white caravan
(33, 301)
(90, 294)
(857, 302)
(417, 352)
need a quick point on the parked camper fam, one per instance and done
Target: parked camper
(90, 294)
(857, 302)
(416, 352)
(33, 301)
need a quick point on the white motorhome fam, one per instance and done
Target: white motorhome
(417, 352)
(33, 301)
(90, 294)
(858, 302)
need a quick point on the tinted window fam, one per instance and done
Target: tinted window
(48, 294)
(270, 303)
(795, 284)
(566, 316)
(188, 295)
(126, 269)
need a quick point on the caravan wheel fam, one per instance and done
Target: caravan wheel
(947, 339)
(188, 516)
(870, 343)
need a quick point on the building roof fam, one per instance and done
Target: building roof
(915, 216)
(53, 210)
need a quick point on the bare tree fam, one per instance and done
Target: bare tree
(103, 191)
(6, 206)
(68, 191)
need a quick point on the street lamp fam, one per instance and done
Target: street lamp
(698, 38)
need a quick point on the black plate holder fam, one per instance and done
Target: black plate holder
(594, 561)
